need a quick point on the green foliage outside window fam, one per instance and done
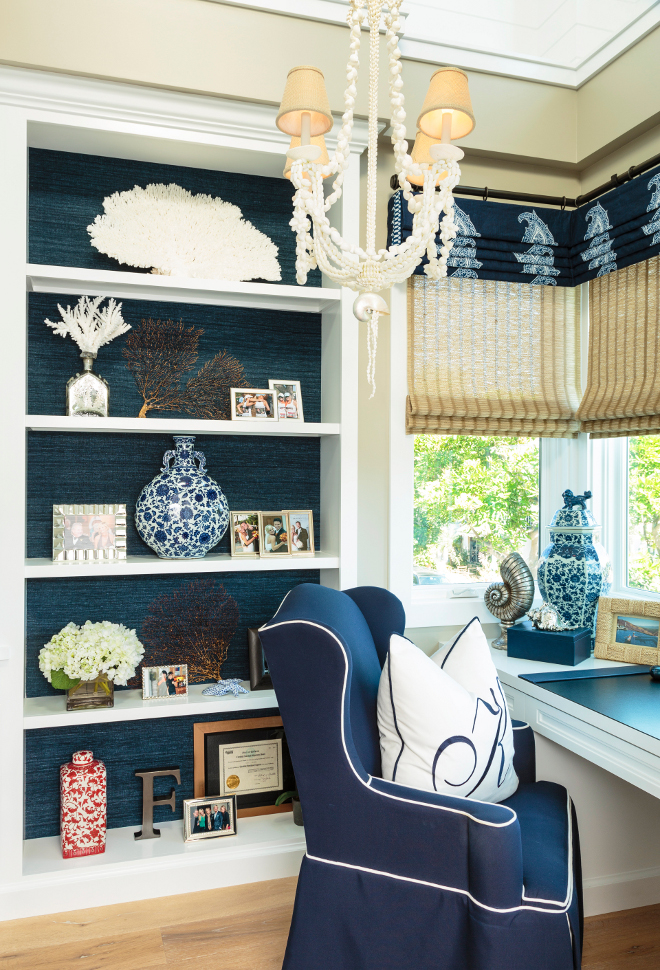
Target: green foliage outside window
(644, 512)
(476, 499)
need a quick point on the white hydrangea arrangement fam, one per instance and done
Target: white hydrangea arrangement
(169, 230)
(86, 652)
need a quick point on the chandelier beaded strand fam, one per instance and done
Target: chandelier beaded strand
(318, 244)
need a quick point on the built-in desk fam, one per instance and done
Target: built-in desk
(620, 748)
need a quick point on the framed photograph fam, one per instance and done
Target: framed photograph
(163, 682)
(208, 818)
(627, 630)
(248, 758)
(259, 676)
(301, 532)
(89, 533)
(253, 404)
(245, 534)
(273, 534)
(288, 399)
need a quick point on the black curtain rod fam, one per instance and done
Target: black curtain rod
(562, 201)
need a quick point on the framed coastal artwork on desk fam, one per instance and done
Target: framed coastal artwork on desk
(627, 630)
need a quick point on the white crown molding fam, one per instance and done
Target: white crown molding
(133, 104)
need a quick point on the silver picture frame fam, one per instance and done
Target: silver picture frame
(219, 826)
(155, 685)
(89, 533)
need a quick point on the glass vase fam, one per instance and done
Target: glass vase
(90, 694)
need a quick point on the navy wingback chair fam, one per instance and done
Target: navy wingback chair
(395, 878)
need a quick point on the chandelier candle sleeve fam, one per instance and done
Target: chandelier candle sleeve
(318, 244)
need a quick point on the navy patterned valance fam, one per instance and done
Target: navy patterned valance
(524, 244)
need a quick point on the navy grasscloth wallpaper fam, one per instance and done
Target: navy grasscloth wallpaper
(267, 473)
(254, 473)
(268, 343)
(52, 603)
(163, 742)
(67, 192)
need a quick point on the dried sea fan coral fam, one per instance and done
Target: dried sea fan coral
(160, 352)
(194, 625)
(175, 233)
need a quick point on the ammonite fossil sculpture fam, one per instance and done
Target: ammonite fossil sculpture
(510, 599)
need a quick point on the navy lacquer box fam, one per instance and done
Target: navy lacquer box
(569, 647)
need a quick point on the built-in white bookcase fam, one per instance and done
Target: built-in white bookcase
(100, 118)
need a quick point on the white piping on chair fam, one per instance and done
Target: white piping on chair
(367, 784)
(563, 906)
(437, 885)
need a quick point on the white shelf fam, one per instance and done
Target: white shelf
(179, 289)
(50, 712)
(256, 836)
(196, 426)
(220, 562)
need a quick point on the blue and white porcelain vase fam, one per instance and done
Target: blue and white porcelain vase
(574, 570)
(182, 513)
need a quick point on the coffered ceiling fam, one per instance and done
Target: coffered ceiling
(561, 42)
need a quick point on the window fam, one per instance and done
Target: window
(644, 513)
(476, 499)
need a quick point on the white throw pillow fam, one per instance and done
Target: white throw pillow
(443, 721)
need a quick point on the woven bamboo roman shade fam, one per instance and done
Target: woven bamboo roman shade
(487, 357)
(623, 384)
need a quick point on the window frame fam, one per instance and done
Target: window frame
(600, 465)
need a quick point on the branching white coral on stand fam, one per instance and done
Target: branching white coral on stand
(88, 326)
(175, 233)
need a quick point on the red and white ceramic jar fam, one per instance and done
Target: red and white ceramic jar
(82, 806)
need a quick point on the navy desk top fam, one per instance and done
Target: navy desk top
(625, 694)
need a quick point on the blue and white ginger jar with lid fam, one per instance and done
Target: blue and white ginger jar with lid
(182, 513)
(574, 570)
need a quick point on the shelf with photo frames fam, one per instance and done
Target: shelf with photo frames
(50, 711)
(146, 565)
(196, 426)
(256, 837)
(145, 286)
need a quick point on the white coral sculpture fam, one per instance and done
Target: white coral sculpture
(90, 326)
(169, 230)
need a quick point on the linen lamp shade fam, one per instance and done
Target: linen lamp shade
(304, 92)
(323, 158)
(421, 155)
(448, 92)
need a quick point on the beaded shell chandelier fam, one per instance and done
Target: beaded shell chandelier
(305, 115)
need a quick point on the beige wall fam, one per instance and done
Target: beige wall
(204, 47)
(621, 102)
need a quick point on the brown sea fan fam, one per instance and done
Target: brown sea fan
(159, 353)
(193, 625)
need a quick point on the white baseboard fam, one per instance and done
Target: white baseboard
(623, 890)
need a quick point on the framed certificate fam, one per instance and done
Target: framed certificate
(247, 758)
(250, 767)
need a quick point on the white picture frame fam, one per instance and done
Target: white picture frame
(301, 532)
(292, 388)
(253, 404)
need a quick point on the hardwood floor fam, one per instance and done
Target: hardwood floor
(629, 940)
(244, 928)
(240, 928)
